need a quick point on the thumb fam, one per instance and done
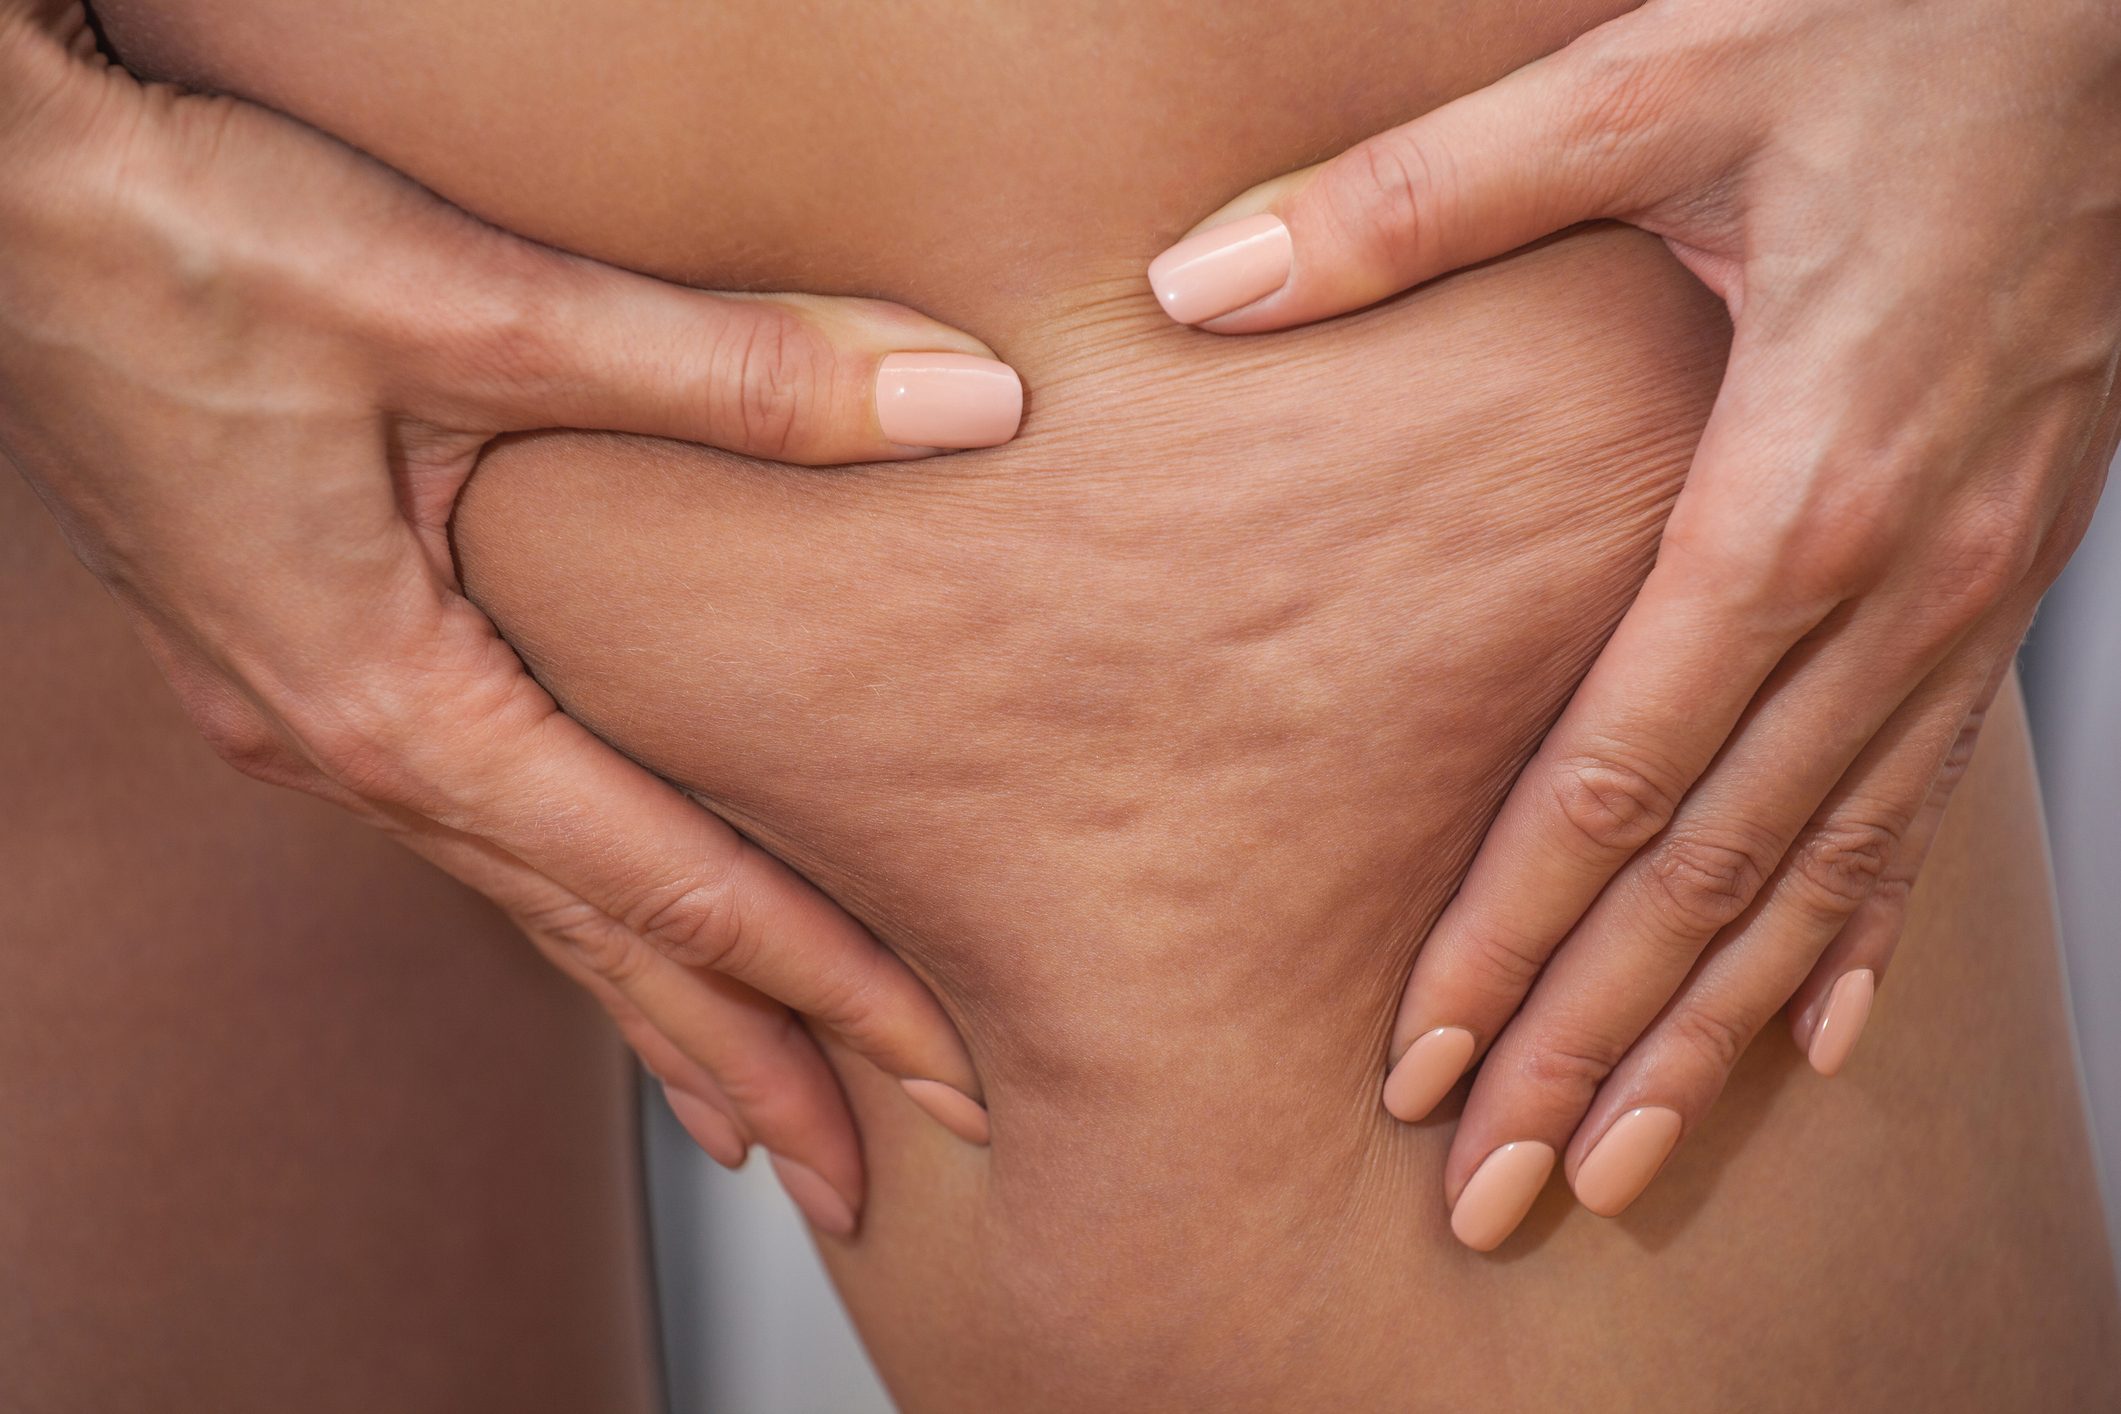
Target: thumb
(793, 378)
(1571, 137)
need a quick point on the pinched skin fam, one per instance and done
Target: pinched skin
(1155, 739)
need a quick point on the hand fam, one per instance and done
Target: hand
(249, 371)
(1913, 213)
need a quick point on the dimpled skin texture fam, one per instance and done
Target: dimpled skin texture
(1157, 737)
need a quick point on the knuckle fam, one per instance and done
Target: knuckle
(1614, 807)
(359, 742)
(1961, 754)
(1567, 1072)
(1703, 883)
(598, 942)
(1986, 558)
(241, 737)
(1391, 204)
(1713, 1035)
(762, 1088)
(699, 925)
(1844, 859)
(1618, 94)
(768, 370)
(1503, 965)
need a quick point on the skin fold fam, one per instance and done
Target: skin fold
(1155, 740)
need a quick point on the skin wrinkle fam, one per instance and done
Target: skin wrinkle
(1153, 743)
(1154, 739)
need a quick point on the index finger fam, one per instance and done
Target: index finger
(1567, 138)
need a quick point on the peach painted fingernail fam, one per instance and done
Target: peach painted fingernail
(947, 400)
(1841, 1020)
(950, 1107)
(1426, 1073)
(818, 1200)
(709, 1127)
(1501, 1193)
(1223, 268)
(1622, 1164)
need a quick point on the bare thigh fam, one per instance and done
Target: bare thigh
(1157, 739)
(287, 1120)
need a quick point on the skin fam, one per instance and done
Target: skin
(1156, 741)
(247, 1167)
(249, 370)
(1913, 214)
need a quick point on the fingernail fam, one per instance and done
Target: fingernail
(1622, 1164)
(819, 1201)
(1501, 1193)
(709, 1127)
(1841, 1020)
(1426, 1073)
(951, 1108)
(1223, 268)
(947, 400)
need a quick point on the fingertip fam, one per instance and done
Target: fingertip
(1841, 1021)
(1222, 269)
(712, 1130)
(1626, 1158)
(825, 1207)
(1427, 1072)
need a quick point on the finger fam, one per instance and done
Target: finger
(1664, 696)
(1829, 1009)
(662, 876)
(1752, 562)
(736, 1066)
(1577, 135)
(1634, 951)
(1673, 1074)
(556, 341)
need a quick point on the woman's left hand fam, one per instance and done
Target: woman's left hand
(1913, 212)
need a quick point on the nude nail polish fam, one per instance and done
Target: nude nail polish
(1223, 268)
(1426, 1073)
(950, 1107)
(1501, 1192)
(709, 1127)
(947, 400)
(818, 1200)
(1622, 1163)
(1841, 1020)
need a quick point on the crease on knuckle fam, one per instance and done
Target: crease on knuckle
(1502, 965)
(1614, 807)
(1704, 883)
(761, 1089)
(699, 924)
(597, 941)
(1617, 100)
(1961, 754)
(1569, 1072)
(241, 737)
(1987, 558)
(1394, 202)
(1713, 1035)
(769, 370)
(1844, 859)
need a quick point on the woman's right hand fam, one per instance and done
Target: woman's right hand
(249, 370)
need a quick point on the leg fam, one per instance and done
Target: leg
(292, 1122)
